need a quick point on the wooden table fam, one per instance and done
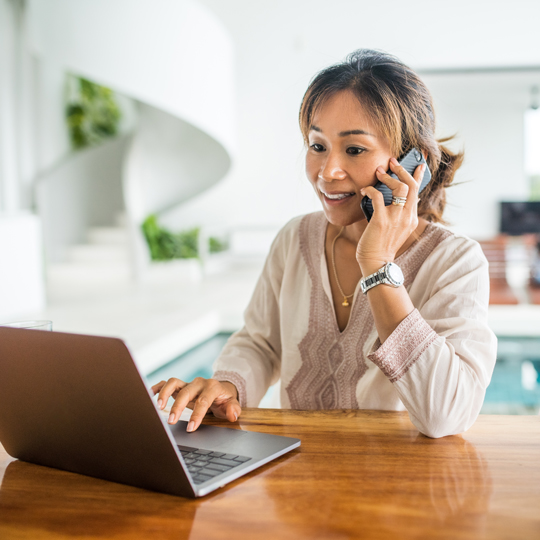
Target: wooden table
(358, 474)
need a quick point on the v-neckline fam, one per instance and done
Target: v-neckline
(325, 277)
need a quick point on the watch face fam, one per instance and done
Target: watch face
(394, 273)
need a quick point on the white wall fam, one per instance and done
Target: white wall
(22, 287)
(279, 46)
(485, 112)
(155, 51)
(21, 260)
(9, 179)
(282, 44)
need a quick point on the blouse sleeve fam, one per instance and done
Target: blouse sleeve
(251, 359)
(441, 357)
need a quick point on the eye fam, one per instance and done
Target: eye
(355, 150)
(317, 147)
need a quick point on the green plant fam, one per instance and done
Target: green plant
(534, 187)
(165, 245)
(215, 245)
(92, 113)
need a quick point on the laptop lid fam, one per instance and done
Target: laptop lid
(78, 403)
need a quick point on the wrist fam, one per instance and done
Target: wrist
(370, 266)
(389, 274)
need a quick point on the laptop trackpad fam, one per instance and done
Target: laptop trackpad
(209, 437)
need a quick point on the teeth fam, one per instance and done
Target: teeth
(338, 196)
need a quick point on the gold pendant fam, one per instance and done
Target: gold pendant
(345, 303)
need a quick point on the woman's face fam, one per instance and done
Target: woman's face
(344, 150)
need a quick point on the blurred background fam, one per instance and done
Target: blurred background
(150, 151)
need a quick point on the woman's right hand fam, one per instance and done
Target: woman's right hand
(201, 395)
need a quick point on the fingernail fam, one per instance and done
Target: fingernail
(235, 417)
(171, 418)
(394, 161)
(160, 403)
(381, 170)
(362, 191)
(191, 426)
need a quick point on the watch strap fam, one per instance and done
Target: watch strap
(373, 280)
(377, 278)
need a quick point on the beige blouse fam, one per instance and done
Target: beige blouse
(436, 364)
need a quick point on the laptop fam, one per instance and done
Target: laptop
(78, 403)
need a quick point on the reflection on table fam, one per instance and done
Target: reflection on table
(357, 474)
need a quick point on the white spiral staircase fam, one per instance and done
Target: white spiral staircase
(174, 58)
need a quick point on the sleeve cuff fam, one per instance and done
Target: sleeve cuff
(403, 347)
(237, 380)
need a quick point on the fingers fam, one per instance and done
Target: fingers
(189, 392)
(404, 185)
(399, 188)
(413, 182)
(157, 387)
(200, 395)
(167, 389)
(230, 410)
(418, 175)
(216, 397)
(377, 199)
(212, 390)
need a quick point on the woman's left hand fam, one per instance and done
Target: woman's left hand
(390, 226)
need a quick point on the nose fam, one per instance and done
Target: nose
(331, 169)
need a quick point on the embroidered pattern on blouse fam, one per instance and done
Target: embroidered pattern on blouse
(237, 380)
(401, 350)
(330, 370)
(332, 361)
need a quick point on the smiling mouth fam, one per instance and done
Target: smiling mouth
(337, 196)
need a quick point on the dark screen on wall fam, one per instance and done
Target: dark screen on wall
(520, 217)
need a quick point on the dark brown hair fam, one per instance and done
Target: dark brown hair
(400, 105)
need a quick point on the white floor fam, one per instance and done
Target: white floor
(171, 313)
(158, 319)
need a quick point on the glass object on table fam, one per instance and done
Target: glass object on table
(30, 325)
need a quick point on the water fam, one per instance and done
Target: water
(514, 388)
(515, 385)
(196, 362)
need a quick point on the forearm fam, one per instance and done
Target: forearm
(389, 305)
(440, 356)
(439, 368)
(442, 392)
(247, 362)
(250, 360)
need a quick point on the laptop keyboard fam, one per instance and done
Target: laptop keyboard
(203, 465)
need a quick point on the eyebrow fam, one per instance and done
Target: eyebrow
(346, 133)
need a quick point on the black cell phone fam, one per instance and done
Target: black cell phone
(409, 162)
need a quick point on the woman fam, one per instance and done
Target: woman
(422, 344)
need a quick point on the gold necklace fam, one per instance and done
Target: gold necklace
(345, 296)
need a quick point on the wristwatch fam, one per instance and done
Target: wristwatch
(389, 274)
